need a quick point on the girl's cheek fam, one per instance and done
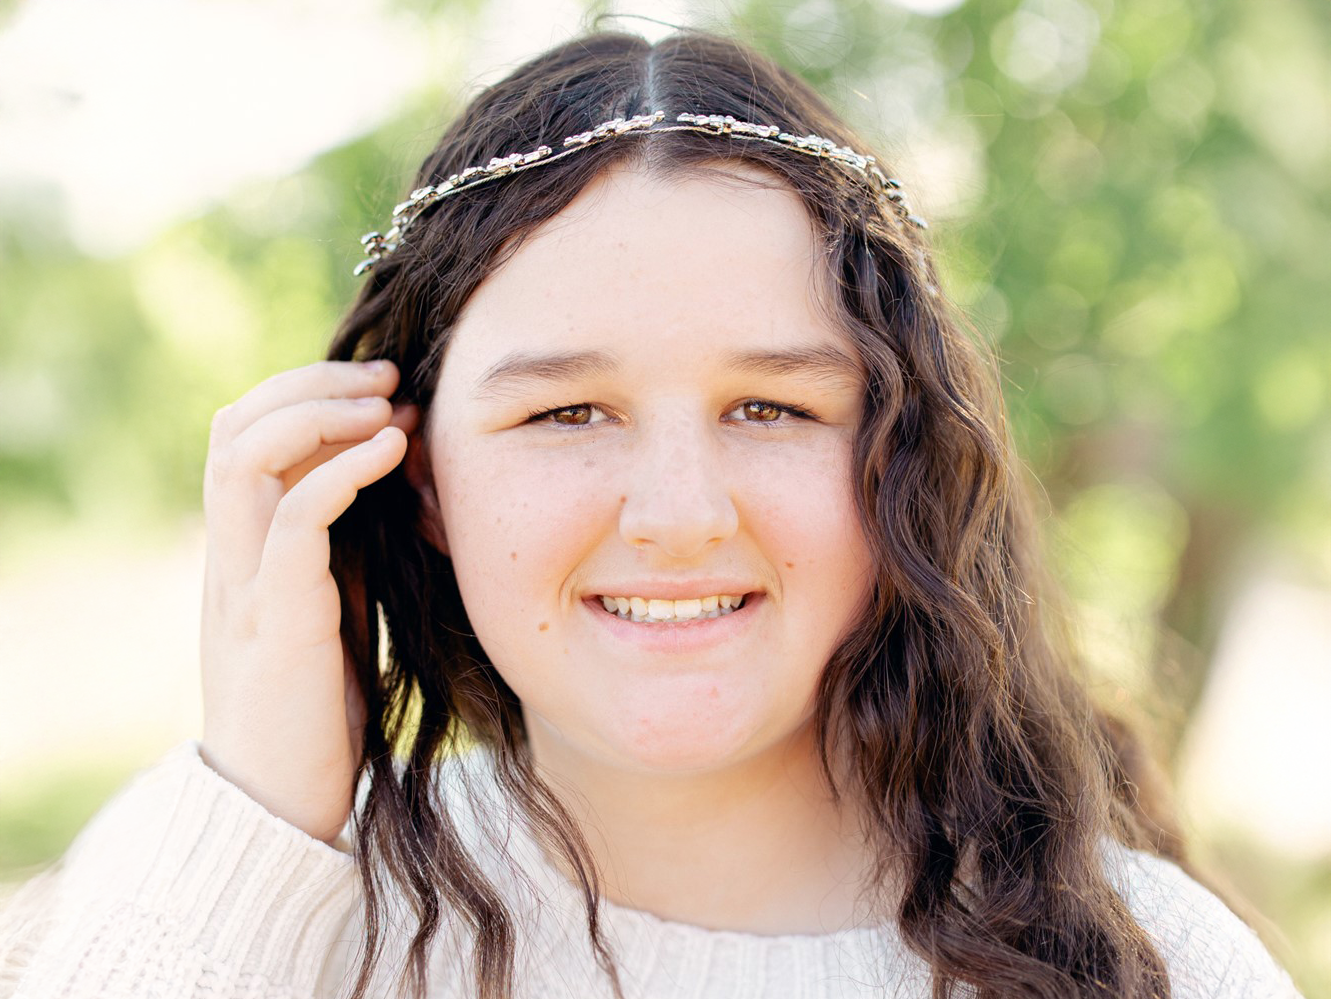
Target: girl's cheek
(523, 512)
(794, 493)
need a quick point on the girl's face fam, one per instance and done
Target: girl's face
(620, 414)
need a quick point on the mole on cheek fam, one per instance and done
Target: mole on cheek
(789, 565)
(623, 499)
(514, 556)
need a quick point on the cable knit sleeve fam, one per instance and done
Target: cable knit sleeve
(181, 886)
(1211, 953)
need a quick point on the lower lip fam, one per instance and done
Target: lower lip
(678, 636)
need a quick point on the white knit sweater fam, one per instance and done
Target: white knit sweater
(183, 886)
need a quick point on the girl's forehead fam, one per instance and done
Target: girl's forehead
(641, 255)
(714, 204)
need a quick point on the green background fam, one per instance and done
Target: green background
(1142, 227)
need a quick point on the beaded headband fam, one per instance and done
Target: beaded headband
(378, 246)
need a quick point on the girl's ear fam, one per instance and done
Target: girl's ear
(416, 465)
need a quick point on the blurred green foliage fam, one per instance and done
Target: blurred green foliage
(1141, 224)
(1288, 903)
(1146, 239)
(1143, 232)
(38, 822)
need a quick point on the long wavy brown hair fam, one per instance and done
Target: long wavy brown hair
(990, 780)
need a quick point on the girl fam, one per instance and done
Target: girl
(650, 556)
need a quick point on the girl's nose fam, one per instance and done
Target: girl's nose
(678, 497)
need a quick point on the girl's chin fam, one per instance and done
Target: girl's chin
(653, 745)
(675, 760)
(677, 728)
(680, 746)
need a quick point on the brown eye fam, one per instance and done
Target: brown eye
(762, 412)
(572, 416)
(582, 414)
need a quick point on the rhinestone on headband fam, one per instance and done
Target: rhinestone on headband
(380, 245)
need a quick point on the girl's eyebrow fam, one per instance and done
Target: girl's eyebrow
(820, 362)
(521, 367)
(823, 362)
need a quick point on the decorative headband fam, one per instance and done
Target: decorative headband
(378, 246)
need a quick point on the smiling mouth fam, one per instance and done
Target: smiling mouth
(642, 611)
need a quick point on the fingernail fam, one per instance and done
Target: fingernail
(379, 366)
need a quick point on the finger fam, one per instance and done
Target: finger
(247, 479)
(285, 438)
(324, 379)
(406, 417)
(295, 553)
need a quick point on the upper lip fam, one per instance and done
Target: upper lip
(678, 590)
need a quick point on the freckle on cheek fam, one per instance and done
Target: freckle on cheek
(623, 499)
(543, 626)
(514, 556)
(789, 565)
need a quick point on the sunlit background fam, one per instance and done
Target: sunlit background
(1131, 198)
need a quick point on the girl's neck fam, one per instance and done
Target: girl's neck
(758, 847)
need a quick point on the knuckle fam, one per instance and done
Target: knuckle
(221, 466)
(321, 370)
(221, 424)
(315, 411)
(288, 381)
(211, 485)
(289, 514)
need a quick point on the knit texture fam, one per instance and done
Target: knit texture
(183, 886)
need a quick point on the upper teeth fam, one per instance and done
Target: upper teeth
(641, 609)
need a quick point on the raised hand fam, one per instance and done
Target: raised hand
(283, 715)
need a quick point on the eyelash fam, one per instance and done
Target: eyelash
(542, 415)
